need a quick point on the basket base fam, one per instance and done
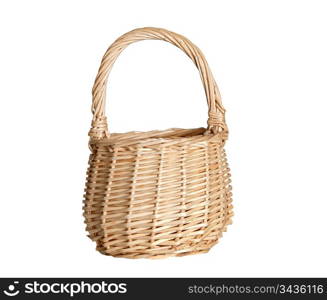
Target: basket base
(156, 253)
(174, 253)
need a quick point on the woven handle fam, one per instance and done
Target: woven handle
(216, 120)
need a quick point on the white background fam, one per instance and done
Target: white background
(269, 59)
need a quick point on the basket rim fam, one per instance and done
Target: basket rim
(161, 138)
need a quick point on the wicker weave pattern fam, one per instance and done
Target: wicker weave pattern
(159, 193)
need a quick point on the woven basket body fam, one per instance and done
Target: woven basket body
(159, 193)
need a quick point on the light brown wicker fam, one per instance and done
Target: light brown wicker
(159, 193)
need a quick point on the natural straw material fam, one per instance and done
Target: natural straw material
(159, 193)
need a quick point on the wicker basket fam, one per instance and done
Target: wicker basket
(159, 193)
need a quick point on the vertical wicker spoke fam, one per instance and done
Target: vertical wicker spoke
(106, 204)
(157, 198)
(132, 197)
(182, 196)
(207, 187)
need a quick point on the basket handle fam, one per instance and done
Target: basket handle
(216, 111)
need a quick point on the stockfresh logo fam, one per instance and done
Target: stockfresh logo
(71, 289)
(12, 289)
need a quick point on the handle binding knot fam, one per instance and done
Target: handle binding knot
(99, 128)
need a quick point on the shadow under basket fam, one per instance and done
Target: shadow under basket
(158, 193)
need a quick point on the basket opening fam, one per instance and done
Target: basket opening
(158, 138)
